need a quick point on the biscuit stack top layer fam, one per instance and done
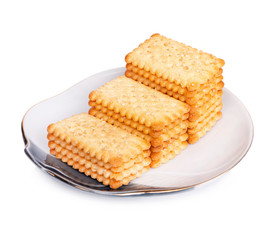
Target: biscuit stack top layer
(173, 61)
(98, 138)
(139, 103)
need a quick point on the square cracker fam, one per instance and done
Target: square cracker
(139, 103)
(174, 61)
(98, 138)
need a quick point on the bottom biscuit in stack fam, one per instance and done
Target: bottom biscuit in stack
(98, 149)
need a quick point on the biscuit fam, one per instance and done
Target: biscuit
(111, 120)
(102, 175)
(141, 130)
(57, 146)
(139, 103)
(98, 138)
(111, 155)
(100, 167)
(105, 114)
(174, 61)
(177, 92)
(165, 86)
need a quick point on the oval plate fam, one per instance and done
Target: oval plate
(216, 153)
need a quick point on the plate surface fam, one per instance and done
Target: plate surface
(217, 152)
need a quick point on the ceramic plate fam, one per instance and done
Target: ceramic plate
(217, 152)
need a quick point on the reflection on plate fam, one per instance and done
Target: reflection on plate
(217, 152)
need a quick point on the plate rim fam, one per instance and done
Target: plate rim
(117, 192)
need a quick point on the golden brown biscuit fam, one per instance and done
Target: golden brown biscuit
(178, 92)
(173, 61)
(164, 85)
(139, 129)
(100, 167)
(139, 103)
(57, 146)
(107, 153)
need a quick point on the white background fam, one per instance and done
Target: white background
(48, 46)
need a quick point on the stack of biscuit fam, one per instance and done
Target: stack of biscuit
(159, 119)
(184, 73)
(104, 152)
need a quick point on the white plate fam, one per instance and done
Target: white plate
(217, 152)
